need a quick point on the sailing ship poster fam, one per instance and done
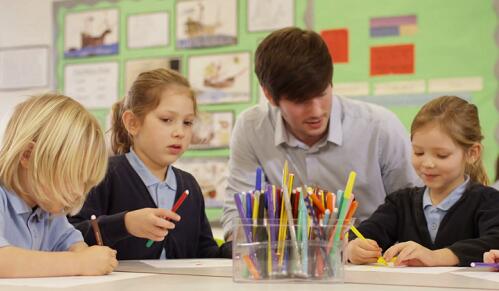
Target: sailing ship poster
(221, 78)
(93, 33)
(206, 23)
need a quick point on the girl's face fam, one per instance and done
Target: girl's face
(438, 161)
(166, 132)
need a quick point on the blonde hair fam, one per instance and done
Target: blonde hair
(143, 97)
(458, 119)
(69, 153)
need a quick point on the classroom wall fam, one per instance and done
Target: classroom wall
(17, 29)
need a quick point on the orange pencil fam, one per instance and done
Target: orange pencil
(317, 203)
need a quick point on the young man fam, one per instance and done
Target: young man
(323, 137)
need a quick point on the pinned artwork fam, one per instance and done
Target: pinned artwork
(206, 23)
(93, 33)
(223, 78)
(212, 130)
(211, 174)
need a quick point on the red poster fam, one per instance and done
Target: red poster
(337, 43)
(395, 59)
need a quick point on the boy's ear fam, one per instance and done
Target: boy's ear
(26, 154)
(131, 122)
(268, 96)
(474, 153)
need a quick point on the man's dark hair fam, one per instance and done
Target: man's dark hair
(293, 63)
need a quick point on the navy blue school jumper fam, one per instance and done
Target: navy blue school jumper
(468, 229)
(122, 190)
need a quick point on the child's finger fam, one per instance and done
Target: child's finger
(368, 254)
(166, 214)
(163, 223)
(373, 245)
(406, 254)
(393, 251)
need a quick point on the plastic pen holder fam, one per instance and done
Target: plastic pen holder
(272, 255)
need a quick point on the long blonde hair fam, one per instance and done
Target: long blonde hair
(459, 119)
(143, 97)
(69, 153)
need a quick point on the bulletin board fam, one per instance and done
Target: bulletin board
(399, 54)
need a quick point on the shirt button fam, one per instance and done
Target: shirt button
(434, 226)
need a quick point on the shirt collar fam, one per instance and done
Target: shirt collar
(145, 174)
(450, 200)
(335, 128)
(21, 207)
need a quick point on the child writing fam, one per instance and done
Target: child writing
(454, 219)
(151, 129)
(52, 154)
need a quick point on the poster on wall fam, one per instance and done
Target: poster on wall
(93, 33)
(211, 174)
(212, 130)
(268, 15)
(93, 85)
(206, 23)
(30, 62)
(134, 67)
(222, 78)
(140, 34)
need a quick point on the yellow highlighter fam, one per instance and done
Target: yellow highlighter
(381, 260)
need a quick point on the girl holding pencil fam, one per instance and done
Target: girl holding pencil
(52, 154)
(453, 219)
(134, 204)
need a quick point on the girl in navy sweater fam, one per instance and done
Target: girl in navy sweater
(454, 219)
(152, 127)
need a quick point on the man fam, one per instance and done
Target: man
(323, 137)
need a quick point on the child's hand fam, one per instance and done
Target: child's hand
(96, 260)
(413, 254)
(410, 254)
(491, 256)
(360, 251)
(150, 223)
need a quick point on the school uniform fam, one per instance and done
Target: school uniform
(33, 228)
(125, 189)
(466, 222)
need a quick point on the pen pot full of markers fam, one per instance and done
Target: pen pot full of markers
(283, 250)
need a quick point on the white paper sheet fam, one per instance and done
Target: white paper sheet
(351, 89)
(491, 276)
(141, 35)
(64, 282)
(189, 263)
(400, 87)
(93, 85)
(414, 270)
(469, 84)
(24, 67)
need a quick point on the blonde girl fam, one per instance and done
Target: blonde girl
(53, 152)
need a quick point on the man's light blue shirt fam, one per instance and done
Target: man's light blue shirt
(361, 137)
(162, 192)
(33, 229)
(435, 214)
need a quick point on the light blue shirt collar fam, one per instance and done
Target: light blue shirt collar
(450, 200)
(335, 127)
(145, 174)
(21, 207)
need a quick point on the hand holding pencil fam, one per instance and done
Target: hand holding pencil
(362, 250)
(150, 223)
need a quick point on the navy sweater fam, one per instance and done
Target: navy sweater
(470, 227)
(121, 191)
